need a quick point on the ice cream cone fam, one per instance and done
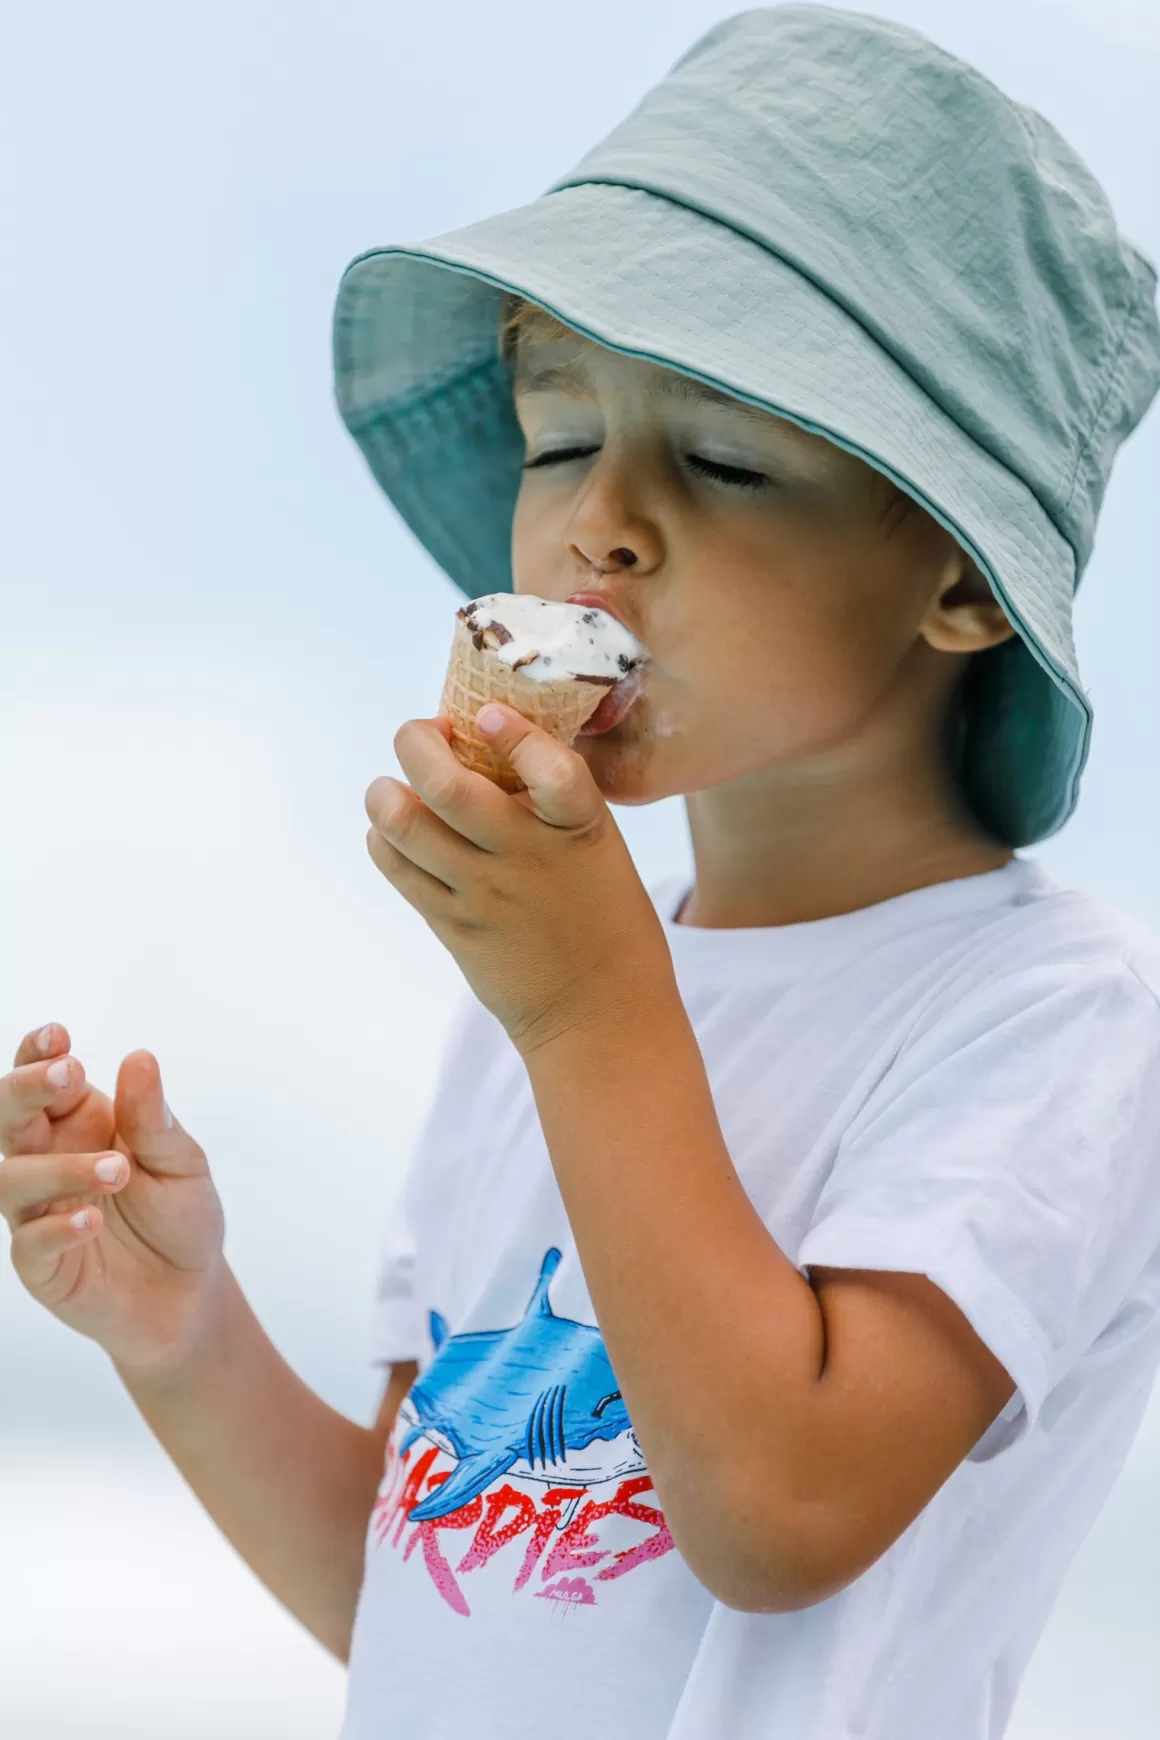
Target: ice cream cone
(475, 675)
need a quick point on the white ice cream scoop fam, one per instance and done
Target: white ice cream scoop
(548, 640)
(558, 664)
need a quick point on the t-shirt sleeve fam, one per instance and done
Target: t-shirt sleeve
(1011, 1153)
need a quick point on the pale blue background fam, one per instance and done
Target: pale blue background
(199, 579)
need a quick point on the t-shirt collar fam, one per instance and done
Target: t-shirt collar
(786, 951)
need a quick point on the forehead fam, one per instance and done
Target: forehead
(578, 368)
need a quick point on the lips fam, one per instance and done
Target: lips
(600, 602)
(613, 705)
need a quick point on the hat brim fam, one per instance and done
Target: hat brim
(422, 387)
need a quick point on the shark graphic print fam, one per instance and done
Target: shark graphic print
(518, 1438)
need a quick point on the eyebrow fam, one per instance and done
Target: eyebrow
(572, 379)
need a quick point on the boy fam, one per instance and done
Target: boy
(775, 1291)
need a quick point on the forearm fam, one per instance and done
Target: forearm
(721, 1391)
(288, 1480)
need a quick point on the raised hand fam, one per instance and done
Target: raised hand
(535, 893)
(117, 1228)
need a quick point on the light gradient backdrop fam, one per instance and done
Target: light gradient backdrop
(199, 584)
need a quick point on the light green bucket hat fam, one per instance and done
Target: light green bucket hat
(828, 216)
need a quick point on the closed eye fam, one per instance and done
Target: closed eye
(558, 456)
(731, 474)
(735, 475)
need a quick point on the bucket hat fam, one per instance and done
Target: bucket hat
(828, 216)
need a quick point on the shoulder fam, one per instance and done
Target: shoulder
(1096, 928)
(1055, 940)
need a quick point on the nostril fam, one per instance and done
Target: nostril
(625, 556)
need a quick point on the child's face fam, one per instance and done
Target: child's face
(783, 600)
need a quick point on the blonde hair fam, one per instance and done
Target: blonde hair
(524, 322)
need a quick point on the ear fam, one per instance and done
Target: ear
(964, 616)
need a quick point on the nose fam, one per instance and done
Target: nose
(621, 557)
(611, 528)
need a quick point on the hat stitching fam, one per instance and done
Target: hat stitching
(1109, 349)
(639, 184)
(427, 397)
(1107, 400)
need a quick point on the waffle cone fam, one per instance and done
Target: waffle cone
(560, 708)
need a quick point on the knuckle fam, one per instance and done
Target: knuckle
(18, 1253)
(441, 789)
(36, 1252)
(387, 857)
(28, 1242)
(378, 847)
(30, 1184)
(10, 1086)
(13, 1182)
(28, 1047)
(589, 831)
(399, 815)
(571, 780)
(540, 758)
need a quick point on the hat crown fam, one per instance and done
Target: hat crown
(954, 224)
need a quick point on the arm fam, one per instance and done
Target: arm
(792, 1435)
(288, 1480)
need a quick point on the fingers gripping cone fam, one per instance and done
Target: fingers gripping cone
(475, 675)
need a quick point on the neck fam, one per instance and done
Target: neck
(839, 833)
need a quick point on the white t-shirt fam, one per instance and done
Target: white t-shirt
(964, 1082)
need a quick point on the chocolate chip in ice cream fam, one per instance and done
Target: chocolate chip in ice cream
(547, 640)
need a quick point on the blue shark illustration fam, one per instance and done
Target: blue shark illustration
(539, 1400)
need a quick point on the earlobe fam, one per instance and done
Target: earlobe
(966, 617)
(966, 629)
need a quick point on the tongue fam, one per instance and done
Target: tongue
(613, 705)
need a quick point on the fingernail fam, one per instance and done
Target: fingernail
(80, 1219)
(166, 1115)
(44, 1038)
(489, 718)
(110, 1169)
(58, 1073)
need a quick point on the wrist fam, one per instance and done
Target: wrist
(208, 1326)
(633, 1009)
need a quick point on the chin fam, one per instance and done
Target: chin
(630, 768)
(643, 766)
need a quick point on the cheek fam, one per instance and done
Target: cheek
(764, 636)
(780, 666)
(535, 538)
(797, 666)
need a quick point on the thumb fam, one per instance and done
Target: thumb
(146, 1126)
(561, 789)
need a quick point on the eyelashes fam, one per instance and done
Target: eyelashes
(736, 476)
(559, 456)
